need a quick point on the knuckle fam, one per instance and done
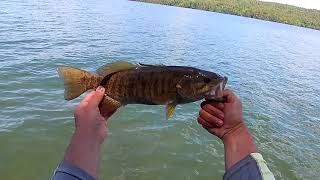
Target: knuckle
(215, 121)
(211, 120)
(84, 104)
(207, 108)
(211, 110)
(94, 96)
(80, 109)
(77, 110)
(201, 112)
(198, 120)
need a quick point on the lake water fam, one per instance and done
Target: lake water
(274, 68)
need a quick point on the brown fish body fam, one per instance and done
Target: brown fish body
(146, 85)
(126, 83)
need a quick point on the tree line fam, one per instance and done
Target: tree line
(276, 12)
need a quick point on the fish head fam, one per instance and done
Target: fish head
(201, 84)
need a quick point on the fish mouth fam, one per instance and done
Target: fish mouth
(216, 94)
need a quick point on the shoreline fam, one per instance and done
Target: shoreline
(268, 11)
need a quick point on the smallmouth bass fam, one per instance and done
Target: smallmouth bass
(127, 83)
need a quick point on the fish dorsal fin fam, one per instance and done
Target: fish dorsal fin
(151, 65)
(115, 67)
(170, 108)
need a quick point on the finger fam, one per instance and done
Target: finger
(219, 106)
(87, 99)
(210, 129)
(230, 95)
(204, 123)
(214, 121)
(213, 111)
(215, 104)
(204, 103)
(98, 96)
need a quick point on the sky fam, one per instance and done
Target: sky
(309, 4)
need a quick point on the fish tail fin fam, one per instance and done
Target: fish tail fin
(77, 81)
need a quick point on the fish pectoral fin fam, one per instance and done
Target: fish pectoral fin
(108, 106)
(170, 108)
(115, 67)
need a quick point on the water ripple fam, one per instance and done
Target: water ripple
(274, 68)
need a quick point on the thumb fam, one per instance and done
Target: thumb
(99, 94)
(230, 95)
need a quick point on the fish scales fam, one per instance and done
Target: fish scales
(119, 84)
(144, 90)
(150, 87)
(108, 84)
(114, 91)
(165, 84)
(123, 84)
(153, 85)
(162, 82)
(126, 83)
(124, 89)
(129, 80)
(143, 85)
(147, 88)
(130, 85)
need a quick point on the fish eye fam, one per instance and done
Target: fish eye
(206, 80)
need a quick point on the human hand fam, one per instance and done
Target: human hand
(225, 120)
(88, 120)
(221, 119)
(84, 149)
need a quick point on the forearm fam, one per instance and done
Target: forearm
(237, 145)
(84, 152)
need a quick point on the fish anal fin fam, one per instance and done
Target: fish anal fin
(108, 106)
(115, 67)
(170, 109)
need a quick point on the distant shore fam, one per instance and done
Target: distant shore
(269, 11)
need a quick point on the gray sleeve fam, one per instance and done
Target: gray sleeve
(252, 167)
(67, 171)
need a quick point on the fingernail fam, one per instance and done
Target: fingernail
(220, 123)
(221, 116)
(100, 89)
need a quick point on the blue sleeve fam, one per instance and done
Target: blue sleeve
(252, 167)
(67, 171)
